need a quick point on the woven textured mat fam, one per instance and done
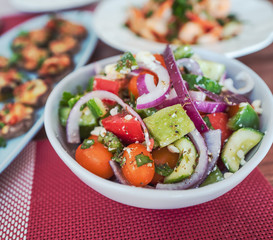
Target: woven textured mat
(62, 207)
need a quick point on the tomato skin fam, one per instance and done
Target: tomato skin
(128, 130)
(219, 121)
(95, 159)
(133, 82)
(137, 176)
(160, 58)
(107, 85)
(162, 156)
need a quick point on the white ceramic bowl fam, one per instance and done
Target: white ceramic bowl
(151, 198)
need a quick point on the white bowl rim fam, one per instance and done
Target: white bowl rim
(229, 183)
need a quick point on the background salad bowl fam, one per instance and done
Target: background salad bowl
(155, 198)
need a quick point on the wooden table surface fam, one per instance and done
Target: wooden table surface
(261, 62)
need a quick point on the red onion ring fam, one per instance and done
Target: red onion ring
(210, 107)
(145, 83)
(118, 173)
(191, 65)
(182, 92)
(72, 126)
(158, 95)
(213, 141)
(200, 169)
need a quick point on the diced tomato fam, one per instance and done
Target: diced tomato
(160, 58)
(219, 121)
(107, 85)
(232, 110)
(125, 127)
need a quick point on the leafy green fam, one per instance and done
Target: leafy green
(201, 81)
(87, 143)
(207, 121)
(90, 84)
(142, 160)
(65, 98)
(23, 33)
(163, 169)
(2, 125)
(3, 142)
(127, 60)
(15, 57)
(72, 101)
(111, 141)
(180, 7)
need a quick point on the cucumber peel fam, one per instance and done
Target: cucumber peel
(187, 161)
(238, 145)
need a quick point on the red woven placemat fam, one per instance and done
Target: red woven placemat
(62, 207)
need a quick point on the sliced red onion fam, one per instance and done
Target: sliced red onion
(191, 65)
(197, 96)
(241, 77)
(210, 107)
(182, 92)
(72, 126)
(200, 169)
(226, 96)
(213, 141)
(145, 84)
(118, 173)
(159, 94)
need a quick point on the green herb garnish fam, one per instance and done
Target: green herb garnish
(90, 84)
(23, 34)
(65, 98)
(180, 7)
(163, 169)
(111, 141)
(149, 14)
(184, 51)
(207, 121)
(3, 142)
(2, 125)
(87, 143)
(127, 61)
(142, 160)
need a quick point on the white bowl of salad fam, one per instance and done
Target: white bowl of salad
(161, 131)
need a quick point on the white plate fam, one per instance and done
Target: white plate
(256, 15)
(48, 5)
(14, 146)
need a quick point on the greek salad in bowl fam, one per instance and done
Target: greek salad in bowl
(169, 121)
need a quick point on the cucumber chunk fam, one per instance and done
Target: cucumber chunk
(212, 70)
(238, 145)
(169, 124)
(187, 161)
(215, 176)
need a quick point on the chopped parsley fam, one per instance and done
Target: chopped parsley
(65, 98)
(112, 142)
(207, 121)
(2, 125)
(149, 14)
(87, 143)
(141, 160)
(127, 61)
(23, 34)
(163, 169)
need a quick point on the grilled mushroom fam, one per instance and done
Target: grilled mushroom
(33, 93)
(15, 119)
(56, 67)
(8, 81)
(64, 45)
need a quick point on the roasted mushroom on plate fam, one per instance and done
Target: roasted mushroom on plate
(56, 67)
(64, 27)
(4, 62)
(32, 93)
(9, 79)
(15, 119)
(32, 57)
(39, 37)
(64, 44)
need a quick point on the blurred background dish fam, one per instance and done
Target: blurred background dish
(87, 45)
(48, 5)
(110, 18)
